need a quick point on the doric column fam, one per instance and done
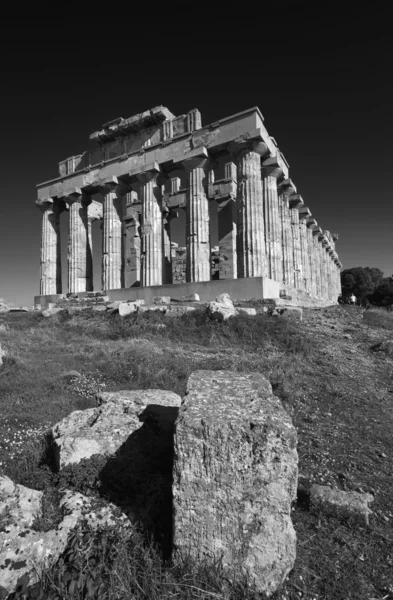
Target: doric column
(94, 213)
(50, 263)
(112, 234)
(197, 220)
(79, 263)
(315, 257)
(331, 282)
(322, 250)
(152, 225)
(273, 235)
(295, 202)
(167, 245)
(304, 213)
(250, 246)
(132, 241)
(286, 189)
(226, 212)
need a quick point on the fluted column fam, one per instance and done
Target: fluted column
(50, 261)
(167, 244)
(273, 234)
(152, 226)
(322, 251)
(132, 240)
(286, 189)
(197, 221)
(227, 227)
(304, 213)
(112, 235)
(250, 244)
(311, 258)
(94, 213)
(295, 203)
(79, 257)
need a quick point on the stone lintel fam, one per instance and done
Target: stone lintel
(222, 190)
(118, 127)
(295, 201)
(175, 200)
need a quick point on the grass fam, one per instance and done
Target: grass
(338, 392)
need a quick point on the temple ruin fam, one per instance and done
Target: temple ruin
(151, 166)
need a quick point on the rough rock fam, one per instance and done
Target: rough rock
(161, 300)
(144, 309)
(177, 311)
(99, 308)
(4, 308)
(224, 299)
(49, 312)
(2, 355)
(113, 305)
(235, 476)
(19, 309)
(221, 311)
(126, 308)
(72, 310)
(25, 551)
(340, 504)
(103, 430)
(291, 312)
(190, 298)
(242, 310)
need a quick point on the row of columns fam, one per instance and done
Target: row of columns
(265, 232)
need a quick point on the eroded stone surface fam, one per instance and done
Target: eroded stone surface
(25, 551)
(161, 300)
(235, 476)
(291, 312)
(4, 308)
(127, 308)
(340, 504)
(2, 355)
(49, 312)
(103, 430)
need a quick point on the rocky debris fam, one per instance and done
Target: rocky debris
(162, 309)
(49, 312)
(126, 308)
(386, 346)
(3, 327)
(103, 430)
(340, 504)
(2, 355)
(178, 311)
(222, 309)
(241, 310)
(113, 305)
(161, 300)
(99, 308)
(235, 476)
(190, 298)
(4, 308)
(291, 312)
(24, 550)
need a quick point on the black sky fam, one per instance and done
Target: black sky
(321, 74)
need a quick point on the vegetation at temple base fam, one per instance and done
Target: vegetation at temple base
(332, 376)
(368, 285)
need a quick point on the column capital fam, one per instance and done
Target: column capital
(50, 204)
(149, 172)
(287, 187)
(295, 201)
(243, 144)
(198, 157)
(312, 223)
(76, 195)
(271, 168)
(335, 237)
(304, 212)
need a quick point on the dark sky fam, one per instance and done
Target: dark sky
(321, 74)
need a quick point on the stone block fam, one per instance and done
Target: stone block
(126, 308)
(235, 477)
(99, 308)
(178, 311)
(4, 308)
(340, 504)
(51, 311)
(162, 300)
(224, 299)
(242, 310)
(220, 311)
(190, 298)
(143, 309)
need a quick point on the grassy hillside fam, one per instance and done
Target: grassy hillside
(328, 371)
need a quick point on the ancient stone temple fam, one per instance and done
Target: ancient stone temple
(143, 171)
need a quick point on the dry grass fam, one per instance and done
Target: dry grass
(337, 390)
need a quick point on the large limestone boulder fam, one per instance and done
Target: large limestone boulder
(222, 309)
(104, 429)
(235, 476)
(26, 550)
(4, 308)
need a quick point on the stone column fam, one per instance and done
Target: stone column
(79, 257)
(227, 238)
(132, 241)
(94, 213)
(112, 235)
(332, 291)
(304, 213)
(50, 262)
(273, 234)
(250, 246)
(197, 221)
(152, 226)
(295, 202)
(286, 189)
(316, 258)
(167, 244)
(322, 250)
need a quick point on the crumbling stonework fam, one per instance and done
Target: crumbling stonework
(235, 476)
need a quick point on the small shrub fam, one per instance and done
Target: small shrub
(83, 477)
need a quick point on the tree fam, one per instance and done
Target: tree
(361, 281)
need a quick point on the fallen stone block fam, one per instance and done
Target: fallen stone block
(242, 310)
(340, 504)
(113, 305)
(49, 312)
(161, 300)
(220, 311)
(190, 298)
(143, 309)
(99, 308)
(235, 477)
(19, 309)
(224, 299)
(72, 310)
(127, 308)
(291, 312)
(4, 308)
(103, 430)
(25, 551)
